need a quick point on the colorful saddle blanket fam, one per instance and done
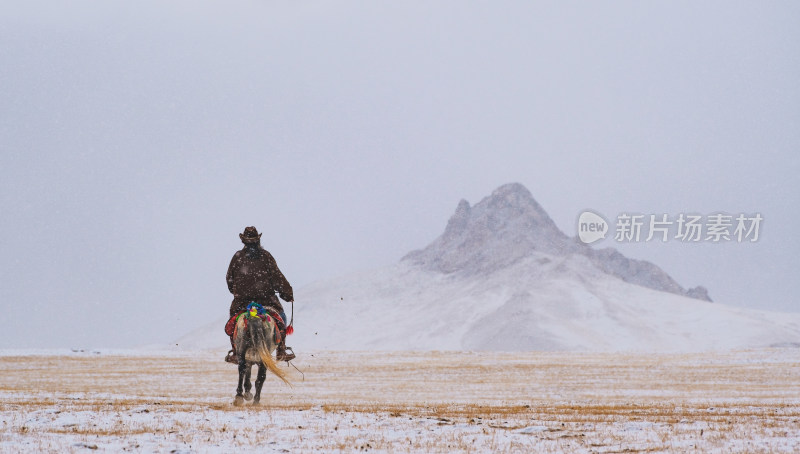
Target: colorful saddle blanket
(264, 313)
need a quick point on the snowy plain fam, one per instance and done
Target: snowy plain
(171, 402)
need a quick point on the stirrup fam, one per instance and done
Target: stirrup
(288, 355)
(231, 358)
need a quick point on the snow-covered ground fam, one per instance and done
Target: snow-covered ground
(737, 401)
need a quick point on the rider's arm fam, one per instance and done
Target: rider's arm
(229, 276)
(278, 280)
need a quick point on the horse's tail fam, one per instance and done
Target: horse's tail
(258, 337)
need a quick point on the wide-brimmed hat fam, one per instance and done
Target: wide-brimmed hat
(250, 235)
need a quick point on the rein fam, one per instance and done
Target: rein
(291, 323)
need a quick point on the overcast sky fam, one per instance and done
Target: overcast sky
(139, 138)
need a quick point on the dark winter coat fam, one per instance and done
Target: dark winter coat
(253, 275)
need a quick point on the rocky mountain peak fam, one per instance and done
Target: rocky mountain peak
(515, 201)
(510, 225)
(458, 221)
(499, 230)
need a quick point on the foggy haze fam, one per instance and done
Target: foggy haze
(138, 139)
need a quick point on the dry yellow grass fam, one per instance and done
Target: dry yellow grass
(432, 401)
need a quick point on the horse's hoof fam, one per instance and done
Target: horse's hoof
(248, 396)
(255, 404)
(238, 401)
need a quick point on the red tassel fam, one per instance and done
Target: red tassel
(289, 330)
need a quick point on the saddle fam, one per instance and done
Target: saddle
(264, 314)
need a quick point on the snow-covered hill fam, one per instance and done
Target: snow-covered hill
(503, 277)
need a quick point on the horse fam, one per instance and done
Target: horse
(255, 341)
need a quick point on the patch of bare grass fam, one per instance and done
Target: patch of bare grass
(467, 402)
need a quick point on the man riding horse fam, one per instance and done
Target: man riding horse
(253, 276)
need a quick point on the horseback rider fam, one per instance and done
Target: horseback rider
(253, 276)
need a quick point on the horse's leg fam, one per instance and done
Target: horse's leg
(239, 400)
(247, 384)
(262, 375)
